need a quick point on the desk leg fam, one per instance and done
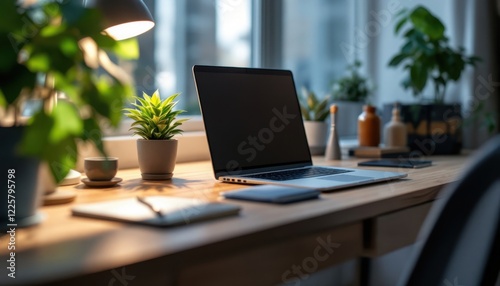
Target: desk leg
(364, 268)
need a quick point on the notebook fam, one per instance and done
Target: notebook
(256, 135)
(174, 210)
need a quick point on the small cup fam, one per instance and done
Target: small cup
(100, 168)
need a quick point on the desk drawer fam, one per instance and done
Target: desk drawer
(392, 231)
(281, 261)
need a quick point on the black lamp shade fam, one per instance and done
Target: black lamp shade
(123, 18)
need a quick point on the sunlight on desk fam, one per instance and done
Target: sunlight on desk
(259, 244)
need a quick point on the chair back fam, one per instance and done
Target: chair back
(460, 242)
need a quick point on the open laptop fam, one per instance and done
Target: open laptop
(256, 135)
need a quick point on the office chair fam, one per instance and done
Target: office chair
(460, 242)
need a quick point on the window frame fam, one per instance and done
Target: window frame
(260, 36)
(266, 52)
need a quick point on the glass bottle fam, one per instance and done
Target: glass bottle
(369, 127)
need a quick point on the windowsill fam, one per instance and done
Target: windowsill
(192, 146)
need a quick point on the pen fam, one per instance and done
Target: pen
(156, 209)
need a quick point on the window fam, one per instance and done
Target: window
(303, 36)
(216, 32)
(312, 35)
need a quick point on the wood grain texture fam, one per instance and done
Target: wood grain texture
(67, 247)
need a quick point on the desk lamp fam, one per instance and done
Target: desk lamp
(123, 19)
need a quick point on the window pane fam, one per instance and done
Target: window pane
(313, 33)
(193, 32)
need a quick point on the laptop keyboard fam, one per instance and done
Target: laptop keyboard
(298, 174)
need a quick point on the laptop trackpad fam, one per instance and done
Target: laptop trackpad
(346, 178)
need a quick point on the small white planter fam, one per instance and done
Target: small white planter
(316, 133)
(157, 158)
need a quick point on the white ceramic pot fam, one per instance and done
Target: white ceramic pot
(316, 133)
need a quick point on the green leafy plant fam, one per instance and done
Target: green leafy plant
(426, 54)
(58, 47)
(353, 86)
(155, 119)
(312, 108)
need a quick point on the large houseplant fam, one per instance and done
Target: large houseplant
(350, 93)
(314, 112)
(427, 56)
(155, 121)
(48, 50)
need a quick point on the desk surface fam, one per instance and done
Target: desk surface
(63, 246)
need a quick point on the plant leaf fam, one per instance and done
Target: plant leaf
(427, 23)
(155, 118)
(400, 24)
(127, 49)
(93, 133)
(397, 59)
(67, 122)
(418, 77)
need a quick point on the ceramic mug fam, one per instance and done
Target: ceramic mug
(100, 168)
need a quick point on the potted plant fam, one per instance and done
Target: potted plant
(155, 120)
(314, 112)
(350, 93)
(48, 50)
(426, 56)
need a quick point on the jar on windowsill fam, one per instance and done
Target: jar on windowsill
(369, 127)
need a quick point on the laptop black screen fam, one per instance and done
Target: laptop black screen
(252, 118)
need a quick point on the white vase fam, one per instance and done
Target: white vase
(316, 133)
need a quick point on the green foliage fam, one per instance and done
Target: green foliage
(352, 87)
(312, 108)
(155, 119)
(44, 40)
(426, 54)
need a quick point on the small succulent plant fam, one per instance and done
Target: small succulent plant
(312, 108)
(155, 119)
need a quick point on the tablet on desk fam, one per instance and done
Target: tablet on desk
(397, 163)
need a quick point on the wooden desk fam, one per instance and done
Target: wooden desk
(266, 244)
